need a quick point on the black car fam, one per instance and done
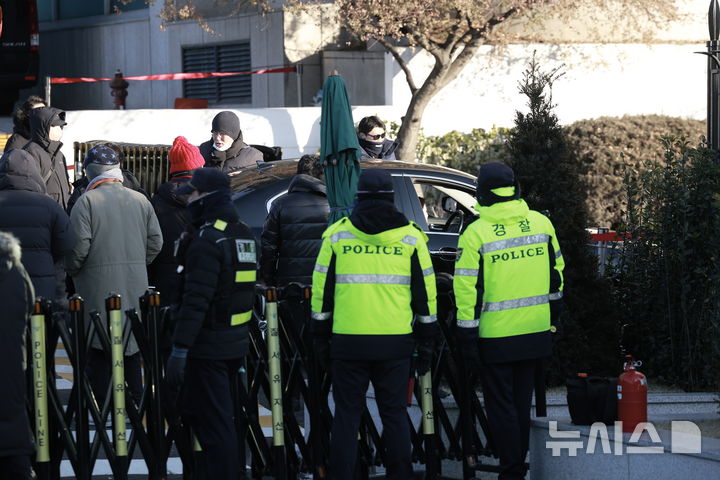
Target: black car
(439, 199)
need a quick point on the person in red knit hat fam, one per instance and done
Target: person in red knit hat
(173, 217)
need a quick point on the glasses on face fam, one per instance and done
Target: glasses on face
(375, 137)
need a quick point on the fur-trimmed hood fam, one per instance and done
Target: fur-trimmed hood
(10, 252)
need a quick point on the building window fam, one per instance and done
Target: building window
(228, 57)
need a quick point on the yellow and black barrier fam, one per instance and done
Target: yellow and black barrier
(281, 372)
(117, 356)
(275, 371)
(40, 390)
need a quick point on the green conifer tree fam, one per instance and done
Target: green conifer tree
(552, 184)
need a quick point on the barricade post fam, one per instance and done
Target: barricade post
(432, 465)
(77, 311)
(37, 333)
(274, 369)
(117, 355)
(155, 416)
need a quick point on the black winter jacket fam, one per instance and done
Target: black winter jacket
(16, 295)
(173, 216)
(292, 234)
(40, 224)
(239, 155)
(17, 141)
(215, 252)
(51, 161)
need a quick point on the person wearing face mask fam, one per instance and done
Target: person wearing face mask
(46, 130)
(226, 150)
(117, 235)
(218, 260)
(371, 135)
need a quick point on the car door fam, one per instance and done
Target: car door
(424, 194)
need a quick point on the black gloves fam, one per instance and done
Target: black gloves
(467, 341)
(321, 331)
(424, 357)
(175, 369)
(556, 309)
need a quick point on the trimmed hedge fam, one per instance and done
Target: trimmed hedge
(601, 149)
(605, 146)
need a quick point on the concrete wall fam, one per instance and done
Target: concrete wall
(600, 79)
(297, 130)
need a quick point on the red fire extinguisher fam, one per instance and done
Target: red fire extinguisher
(632, 395)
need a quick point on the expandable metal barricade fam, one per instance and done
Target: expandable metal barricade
(280, 372)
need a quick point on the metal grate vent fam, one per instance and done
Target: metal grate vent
(229, 57)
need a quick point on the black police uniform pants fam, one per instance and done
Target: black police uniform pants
(350, 383)
(209, 408)
(16, 467)
(99, 373)
(507, 390)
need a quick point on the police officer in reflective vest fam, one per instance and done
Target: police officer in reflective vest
(508, 288)
(218, 258)
(374, 299)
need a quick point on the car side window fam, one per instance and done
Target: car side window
(445, 206)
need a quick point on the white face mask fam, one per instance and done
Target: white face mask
(223, 148)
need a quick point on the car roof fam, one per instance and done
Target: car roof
(269, 172)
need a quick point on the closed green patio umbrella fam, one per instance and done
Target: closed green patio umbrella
(339, 148)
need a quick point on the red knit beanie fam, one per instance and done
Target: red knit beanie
(184, 157)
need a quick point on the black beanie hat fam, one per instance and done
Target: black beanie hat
(228, 123)
(492, 176)
(375, 183)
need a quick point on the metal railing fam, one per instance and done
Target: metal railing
(148, 163)
(280, 373)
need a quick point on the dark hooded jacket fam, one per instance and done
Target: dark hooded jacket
(16, 295)
(239, 155)
(35, 219)
(16, 141)
(384, 150)
(173, 217)
(292, 235)
(51, 161)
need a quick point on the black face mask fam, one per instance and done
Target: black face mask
(209, 202)
(196, 210)
(371, 147)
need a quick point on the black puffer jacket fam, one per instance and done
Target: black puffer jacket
(292, 235)
(239, 155)
(219, 267)
(51, 161)
(173, 216)
(16, 295)
(17, 140)
(40, 224)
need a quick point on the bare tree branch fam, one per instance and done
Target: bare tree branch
(401, 62)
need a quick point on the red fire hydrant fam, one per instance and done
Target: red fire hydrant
(632, 395)
(119, 91)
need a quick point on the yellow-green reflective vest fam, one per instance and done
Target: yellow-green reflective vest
(369, 278)
(514, 250)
